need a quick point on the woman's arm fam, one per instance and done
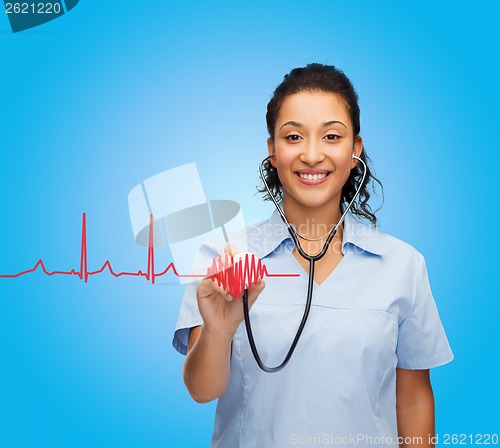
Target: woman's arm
(415, 408)
(206, 368)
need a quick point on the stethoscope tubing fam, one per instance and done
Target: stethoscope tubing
(310, 286)
(248, 326)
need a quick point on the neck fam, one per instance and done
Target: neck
(312, 222)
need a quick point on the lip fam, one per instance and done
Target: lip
(312, 172)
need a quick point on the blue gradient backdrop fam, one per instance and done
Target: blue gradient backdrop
(114, 92)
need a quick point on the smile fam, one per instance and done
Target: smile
(312, 178)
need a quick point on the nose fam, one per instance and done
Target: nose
(312, 153)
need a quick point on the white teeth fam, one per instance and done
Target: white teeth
(312, 176)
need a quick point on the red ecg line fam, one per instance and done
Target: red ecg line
(251, 275)
(236, 276)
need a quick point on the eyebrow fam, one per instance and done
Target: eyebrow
(329, 123)
(299, 125)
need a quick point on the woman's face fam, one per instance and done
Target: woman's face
(313, 144)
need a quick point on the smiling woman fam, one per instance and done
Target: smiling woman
(360, 370)
(307, 150)
(317, 78)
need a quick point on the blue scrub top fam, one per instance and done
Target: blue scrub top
(375, 312)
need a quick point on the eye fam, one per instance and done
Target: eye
(293, 137)
(332, 136)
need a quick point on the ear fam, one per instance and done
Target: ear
(357, 150)
(272, 152)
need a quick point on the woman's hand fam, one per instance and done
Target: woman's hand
(207, 365)
(221, 312)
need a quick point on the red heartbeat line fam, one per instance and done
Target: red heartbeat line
(236, 276)
(83, 273)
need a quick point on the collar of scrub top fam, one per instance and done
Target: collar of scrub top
(363, 236)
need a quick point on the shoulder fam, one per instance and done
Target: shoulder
(397, 247)
(260, 230)
(249, 239)
(398, 253)
(266, 236)
(390, 248)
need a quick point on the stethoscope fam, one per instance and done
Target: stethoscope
(312, 260)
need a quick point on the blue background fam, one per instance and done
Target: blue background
(114, 92)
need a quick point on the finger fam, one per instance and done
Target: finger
(231, 250)
(218, 272)
(208, 287)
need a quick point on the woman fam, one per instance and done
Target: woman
(360, 372)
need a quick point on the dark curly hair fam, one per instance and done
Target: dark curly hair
(324, 78)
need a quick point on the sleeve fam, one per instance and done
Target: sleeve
(422, 342)
(189, 314)
(189, 317)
